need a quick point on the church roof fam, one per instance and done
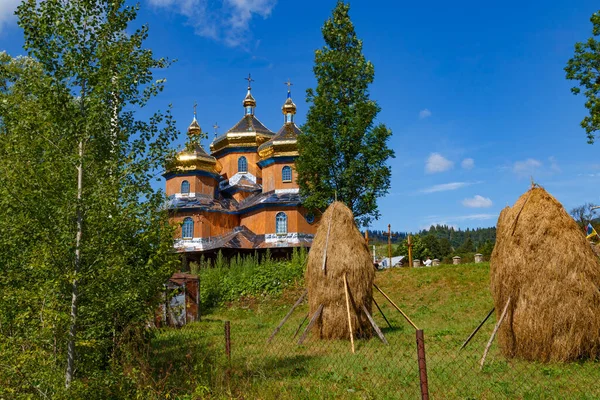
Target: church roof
(284, 143)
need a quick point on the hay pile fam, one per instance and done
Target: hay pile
(347, 253)
(543, 261)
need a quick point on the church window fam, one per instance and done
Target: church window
(248, 110)
(286, 174)
(281, 223)
(185, 187)
(242, 164)
(187, 229)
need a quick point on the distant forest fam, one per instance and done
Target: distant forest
(456, 237)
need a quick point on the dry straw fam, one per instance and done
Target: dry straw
(543, 262)
(347, 254)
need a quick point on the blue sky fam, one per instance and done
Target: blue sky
(475, 94)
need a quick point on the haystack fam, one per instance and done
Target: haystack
(346, 254)
(543, 262)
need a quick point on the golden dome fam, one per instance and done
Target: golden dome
(289, 107)
(196, 159)
(249, 100)
(283, 144)
(194, 131)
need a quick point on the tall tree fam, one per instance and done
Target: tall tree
(584, 214)
(343, 151)
(583, 67)
(88, 243)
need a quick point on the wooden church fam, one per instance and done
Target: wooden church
(243, 196)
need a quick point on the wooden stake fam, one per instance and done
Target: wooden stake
(382, 314)
(487, 348)
(327, 238)
(477, 329)
(311, 323)
(287, 316)
(348, 309)
(390, 244)
(396, 307)
(374, 325)
(300, 326)
(410, 256)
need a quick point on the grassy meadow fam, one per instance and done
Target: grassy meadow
(447, 302)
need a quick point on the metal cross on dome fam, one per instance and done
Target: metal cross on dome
(216, 127)
(250, 80)
(195, 105)
(289, 84)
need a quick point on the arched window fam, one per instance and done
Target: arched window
(242, 164)
(187, 229)
(281, 223)
(185, 187)
(286, 174)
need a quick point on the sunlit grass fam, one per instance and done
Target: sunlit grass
(447, 302)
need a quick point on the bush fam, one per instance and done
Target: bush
(251, 275)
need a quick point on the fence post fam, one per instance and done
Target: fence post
(228, 340)
(422, 365)
(228, 351)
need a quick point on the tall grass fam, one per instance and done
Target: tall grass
(227, 280)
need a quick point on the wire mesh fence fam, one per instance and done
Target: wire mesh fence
(208, 359)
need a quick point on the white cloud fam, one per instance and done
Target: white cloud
(468, 163)
(477, 202)
(7, 11)
(424, 114)
(229, 23)
(444, 187)
(527, 167)
(437, 163)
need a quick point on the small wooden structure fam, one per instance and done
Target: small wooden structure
(456, 260)
(478, 258)
(416, 262)
(435, 262)
(181, 301)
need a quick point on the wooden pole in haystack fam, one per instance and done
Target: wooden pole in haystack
(487, 348)
(477, 329)
(396, 307)
(382, 314)
(310, 324)
(348, 309)
(287, 315)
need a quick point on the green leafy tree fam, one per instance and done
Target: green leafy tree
(343, 152)
(583, 67)
(467, 246)
(445, 247)
(432, 245)
(87, 245)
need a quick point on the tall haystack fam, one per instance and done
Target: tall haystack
(543, 262)
(346, 254)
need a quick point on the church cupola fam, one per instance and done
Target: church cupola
(285, 141)
(289, 108)
(249, 102)
(193, 157)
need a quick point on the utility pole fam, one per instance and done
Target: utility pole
(410, 258)
(390, 244)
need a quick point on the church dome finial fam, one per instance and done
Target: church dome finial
(249, 102)
(289, 108)
(194, 131)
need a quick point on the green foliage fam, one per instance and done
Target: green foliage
(230, 280)
(343, 152)
(583, 68)
(72, 104)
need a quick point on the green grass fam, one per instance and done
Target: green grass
(447, 302)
